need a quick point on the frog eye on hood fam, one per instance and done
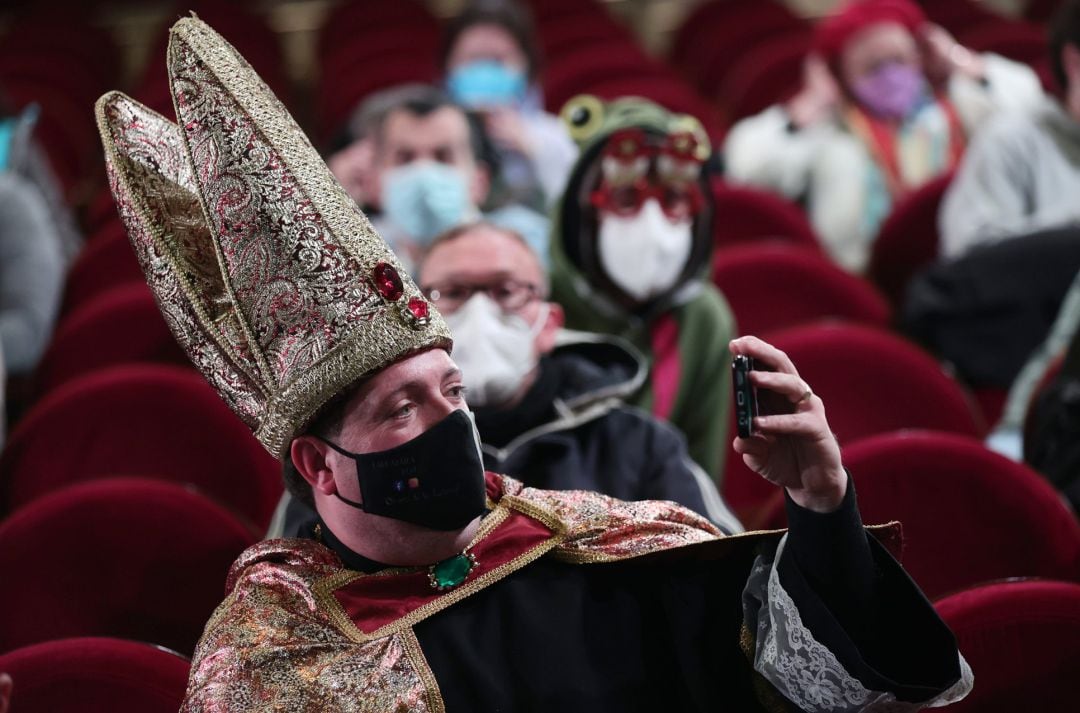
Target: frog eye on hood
(583, 116)
(684, 123)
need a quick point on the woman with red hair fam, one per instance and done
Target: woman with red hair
(887, 103)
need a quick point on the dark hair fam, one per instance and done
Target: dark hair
(422, 100)
(1064, 30)
(326, 424)
(510, 16)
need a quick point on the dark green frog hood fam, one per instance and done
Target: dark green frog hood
(591, 300)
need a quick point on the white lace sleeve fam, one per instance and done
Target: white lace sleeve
(801, 668)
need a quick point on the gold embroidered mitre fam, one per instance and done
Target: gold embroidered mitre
(267, 273)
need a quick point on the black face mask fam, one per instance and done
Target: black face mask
(436, 480)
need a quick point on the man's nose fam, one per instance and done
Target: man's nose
(441, 408)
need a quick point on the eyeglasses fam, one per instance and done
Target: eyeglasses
(510, 295)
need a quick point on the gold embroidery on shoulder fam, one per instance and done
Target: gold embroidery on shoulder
(323, 589)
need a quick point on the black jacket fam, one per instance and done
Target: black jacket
(587, 438)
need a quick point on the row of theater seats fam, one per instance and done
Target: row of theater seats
(584, 49)
(127, 447)
(970, 515)
(728, 59)
(62, 64)
(63, 59)
(736, 57)
(992, 623)
(755, 234)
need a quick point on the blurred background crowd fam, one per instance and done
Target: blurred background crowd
(598, 195)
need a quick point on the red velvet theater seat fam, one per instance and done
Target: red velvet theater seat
(1022, 641)
(123, 325)
(744, 214)
(576, 71)
(103, 264)
(769, 73)
(356, 22)
(872, 382)
(95, 675)
(557, 39)
(141, 420)
(969, 515)
(775, 285)
(124, 557)
(908, 239)
(715, 35)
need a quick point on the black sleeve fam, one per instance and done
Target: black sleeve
(833, 554)
(670, 469)
(858, 601)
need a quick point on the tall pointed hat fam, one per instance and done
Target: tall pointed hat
(267, 273)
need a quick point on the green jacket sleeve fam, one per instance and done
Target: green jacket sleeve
(703, 402)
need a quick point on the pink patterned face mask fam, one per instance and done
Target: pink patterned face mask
(892, 91)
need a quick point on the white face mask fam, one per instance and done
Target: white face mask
(644, 254)
(493, 349)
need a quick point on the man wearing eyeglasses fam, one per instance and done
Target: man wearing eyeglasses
(549, 404)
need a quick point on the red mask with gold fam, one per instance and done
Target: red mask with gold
(636, 167)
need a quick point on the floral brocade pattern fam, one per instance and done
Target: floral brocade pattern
(606, 529)
(270, 646)
(261, 263)
(171, 241)
(298, 292)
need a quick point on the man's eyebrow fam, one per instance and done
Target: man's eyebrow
(416, 384)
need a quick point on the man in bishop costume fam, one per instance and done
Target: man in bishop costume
(428, 584)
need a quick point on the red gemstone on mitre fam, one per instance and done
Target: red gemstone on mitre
(388, 282)
(418, 307)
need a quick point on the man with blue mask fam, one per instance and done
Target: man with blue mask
(490, 61)
(428, 174)
(427, 583)
(549, 404)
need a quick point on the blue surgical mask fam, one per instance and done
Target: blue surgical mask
(486, 83)
(425, 198)
(7, 136)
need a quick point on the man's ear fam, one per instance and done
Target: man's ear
(480, 185)
(545, 338)
(309, 456)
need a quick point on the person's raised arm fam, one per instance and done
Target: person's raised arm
(830, 605)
